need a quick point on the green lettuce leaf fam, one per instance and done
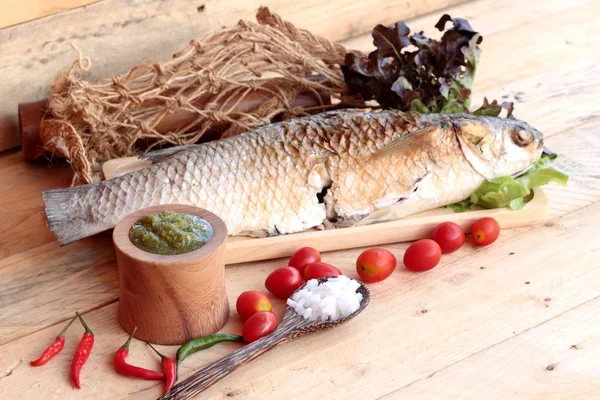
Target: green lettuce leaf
(508, 191)
(543, 176)
(461, 206)
(498, 192)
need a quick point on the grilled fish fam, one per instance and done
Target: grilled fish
(340, 168)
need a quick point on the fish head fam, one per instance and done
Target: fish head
(498, 146)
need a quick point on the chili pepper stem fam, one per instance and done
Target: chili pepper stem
(126, 345)
(170, 369)
(162, 356)
(87, 328)
(64, 330)
(54, 348)
(126, 369)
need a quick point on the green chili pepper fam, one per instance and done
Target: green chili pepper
(201, 343)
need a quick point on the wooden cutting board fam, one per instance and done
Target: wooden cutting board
(418, 226)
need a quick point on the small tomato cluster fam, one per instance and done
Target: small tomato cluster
(372, 265)
(448, 237)
(255, 307)
(375, 265)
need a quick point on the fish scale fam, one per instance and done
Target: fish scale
(267, 181)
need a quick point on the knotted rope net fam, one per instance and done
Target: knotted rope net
(239, 78)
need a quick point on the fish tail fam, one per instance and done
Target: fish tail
(68, 217)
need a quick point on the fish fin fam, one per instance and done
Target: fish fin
(69, 223)
(121, 166)
(403, 143)
(389, 199)
(390, 213)
(343, 223)
(326, 225)
(403, 204)
(259, 233)
(159, 155)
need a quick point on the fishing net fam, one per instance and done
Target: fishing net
(242, 77)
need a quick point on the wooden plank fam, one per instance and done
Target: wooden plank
(485, 16)
(117, 35)
(18, 237)
(424, 322)
(14, 12)
(555, 360)
(488, 16)
(578, 151)
(539, 100)
(44, 279)
(467, 310)
(23, 193)
(395, 344)
(546, 100)
(419, 226)
(27, 215)
(541, 103)
(539, 81)
(43, 303)
(542, 107)
(520, 40)
(414, 227)
(575, 39)
(21, 206)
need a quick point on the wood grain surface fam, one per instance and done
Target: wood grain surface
(292, 326)
(118, 35)
(14, 12)
(558, 360)
(418, 226)
(486, 323)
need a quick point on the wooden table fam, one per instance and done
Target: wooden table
(520, 319)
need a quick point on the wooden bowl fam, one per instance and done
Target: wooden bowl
(172, 298)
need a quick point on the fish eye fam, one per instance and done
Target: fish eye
(522, 137)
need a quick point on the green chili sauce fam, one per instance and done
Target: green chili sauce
(170, 232)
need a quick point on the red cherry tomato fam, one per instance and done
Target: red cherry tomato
(319, 269)
(304, 256)
(259, 325)
(251, 302)
(485, 231)
(449, 236)
(375, 264)
(283, 282)
(422, 255)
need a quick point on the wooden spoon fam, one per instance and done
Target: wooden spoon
(291, 327)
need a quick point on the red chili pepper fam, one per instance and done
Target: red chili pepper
(54, 348)
(129, 370)
(169, 368)
(82, 353)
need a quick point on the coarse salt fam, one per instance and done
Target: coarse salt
(333, 299)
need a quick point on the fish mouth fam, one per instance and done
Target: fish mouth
(523, 172)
